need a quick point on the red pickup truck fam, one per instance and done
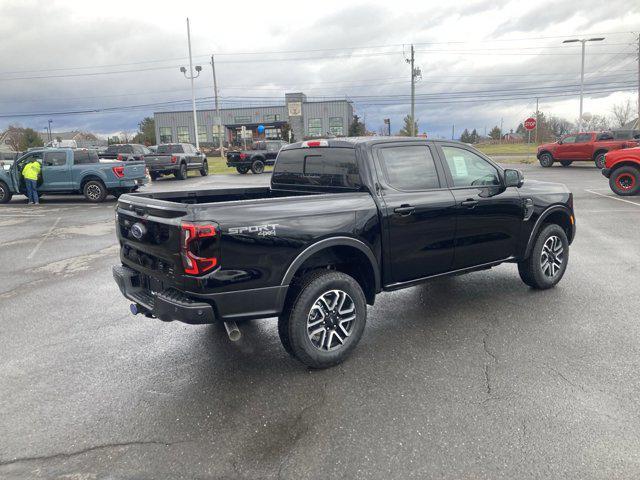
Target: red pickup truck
(622, 168)
(580, 147)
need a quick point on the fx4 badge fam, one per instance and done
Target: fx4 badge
(268, 230)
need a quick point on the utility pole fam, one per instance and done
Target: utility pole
(453, 131)
(415, 72)
(583, 41)
(500, 139)
(190, 77)
(215, 94)
(538, 120)
(50, 122)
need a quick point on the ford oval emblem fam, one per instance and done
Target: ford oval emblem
(138, 231)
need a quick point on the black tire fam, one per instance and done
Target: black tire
(316, 290)
(204, 171)
(242, 170)
(546, 160)
(548, 260)
(257, 167)
(94, 191)
(625, 181)
(154, 176)
(566, 163)
(5, 193)
(599, 160)
(181, 173)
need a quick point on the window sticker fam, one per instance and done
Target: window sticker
(461, 166)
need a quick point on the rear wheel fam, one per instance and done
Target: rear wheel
(325, 320)
(94, 191)
(599, 160)
(5, 193)
(547, 263)
(242, 170)
(257, 167)
(566, 163)
(625, 181)
(181, 174)
(546, 160)
(204, 171)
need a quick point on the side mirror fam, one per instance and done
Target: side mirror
(513, 178)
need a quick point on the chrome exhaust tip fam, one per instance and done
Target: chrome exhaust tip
(232, 331)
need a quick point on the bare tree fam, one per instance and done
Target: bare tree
(559, 126)
(596, 123)
(621, 113)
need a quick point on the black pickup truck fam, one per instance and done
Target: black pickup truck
(342, 221)
(125, 152)
(262, 153)
(176, 159)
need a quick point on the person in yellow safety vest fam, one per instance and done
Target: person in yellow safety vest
(30, 173)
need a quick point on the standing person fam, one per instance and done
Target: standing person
(30, 173)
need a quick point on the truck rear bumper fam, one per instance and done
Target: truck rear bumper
(172, 167)
(172, 305)
(167, 306)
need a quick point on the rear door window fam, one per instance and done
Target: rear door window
(569, 139)
(409, 167)
(83, 157)
(583, 138)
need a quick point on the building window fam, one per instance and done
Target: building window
(217, 134)
(202, 133)
(336, 126)
(315, 127)
(242, 120)
(271, 118)
(274, 133)
(183, 135)
(166, 136)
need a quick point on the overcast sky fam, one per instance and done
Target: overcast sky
(476, 58)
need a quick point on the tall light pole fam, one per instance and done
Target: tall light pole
(191, 76)
(50, 122)
(583, 41)
(415, 73)
(215, 94)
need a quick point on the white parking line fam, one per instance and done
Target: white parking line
(37, 247)
(613, 198)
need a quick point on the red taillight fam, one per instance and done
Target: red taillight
(118, 171)
(120, 156)
(192, 237)
(315, 143)
(243, 156)
(174, 159)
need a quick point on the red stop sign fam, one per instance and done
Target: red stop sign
(530, 123)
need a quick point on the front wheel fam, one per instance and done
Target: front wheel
(548, 260)
(242, 170)
(546, 160)
(625, 181)
(599, 161)
(257, 167)
(204, 171)
(181, 174)
(325, 320)
(94, 191)
(5, 193)
(566, 163)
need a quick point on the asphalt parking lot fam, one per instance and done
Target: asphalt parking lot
(475, 376)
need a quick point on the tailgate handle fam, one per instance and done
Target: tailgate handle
(405, 210)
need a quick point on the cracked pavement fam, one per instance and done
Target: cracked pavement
(474, 376)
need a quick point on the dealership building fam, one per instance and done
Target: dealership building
(303, 118)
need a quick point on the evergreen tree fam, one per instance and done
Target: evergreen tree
(495, 133)
(405, 131)
(465, 137)
(357, 128)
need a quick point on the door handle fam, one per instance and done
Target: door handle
(469, 203)
(404, 210)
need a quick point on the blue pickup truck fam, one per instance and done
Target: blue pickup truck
(66, 171)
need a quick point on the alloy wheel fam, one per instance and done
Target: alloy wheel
(625, 181)
(552, 256)
(331, 320)
(94, 192)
